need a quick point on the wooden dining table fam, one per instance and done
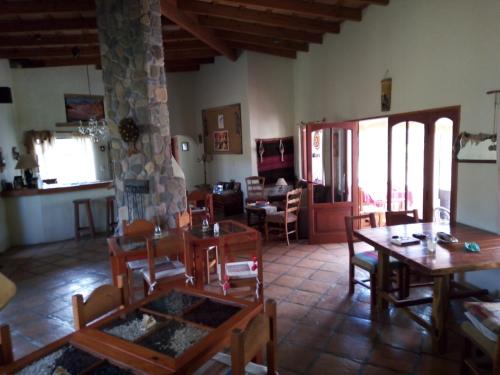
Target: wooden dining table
(123, 249)
(205, 319)
(440, 265)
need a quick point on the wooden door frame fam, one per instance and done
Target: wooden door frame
(310, 128)
(427, 117)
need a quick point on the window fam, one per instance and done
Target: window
(69, 159)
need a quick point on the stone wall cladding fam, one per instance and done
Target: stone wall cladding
(132, 60)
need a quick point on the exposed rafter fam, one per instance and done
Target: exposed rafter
(262, 30)
(262, 40)
(307, 8)
(14, 8)
(170, 10)
(269, 50)
(265, 18)
(16, 26)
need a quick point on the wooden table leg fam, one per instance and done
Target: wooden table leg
(199, 265)
(383, 284)
(440, 300)
(249, 218)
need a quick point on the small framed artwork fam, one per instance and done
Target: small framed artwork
(221, 141)
(83, 107)
(185, 146)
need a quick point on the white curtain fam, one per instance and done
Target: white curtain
(69, 159)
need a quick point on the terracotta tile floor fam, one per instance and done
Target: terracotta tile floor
(322, 329)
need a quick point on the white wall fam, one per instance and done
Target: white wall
(270, 99)
(8, 139)
(438, 53)
(220, 84)
(188, 161)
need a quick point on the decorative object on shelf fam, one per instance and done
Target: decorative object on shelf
(28, 162)
(129, 132)
(5, 95)
(261, 150)
(386, 92)
(479, 147)
(272, 163)
(2, 161)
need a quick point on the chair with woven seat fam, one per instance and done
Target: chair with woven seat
(101, 301)
(482, 332)
(240, 266)
(255, 189)
(6, 353)
(368, 261)
(401, 217)
(280, 221)
(245, 345)
(165, 262)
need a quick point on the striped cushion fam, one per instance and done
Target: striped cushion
(369, 260)
(485, 316)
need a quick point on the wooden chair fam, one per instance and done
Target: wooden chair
(6, 353)
(240, 266)
(183, 219)
(281, 220)
(368, 261)
(101, 301)
(7, 290)
(474, 338)
(255, 188)
(165, 262)
(136, 228)
(246, 345)
(201, 206)
(401, 217)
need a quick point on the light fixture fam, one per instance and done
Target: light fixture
(93, 128)
(281, 183)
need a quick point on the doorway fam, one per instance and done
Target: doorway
(395, 163)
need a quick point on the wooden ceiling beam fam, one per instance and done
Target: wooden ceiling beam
(376, 2)
(16, 26)
(269, 50)
(14, 8)
(170, 10)
(94, 60)
(37, 53)
(72, 52)
(265, 18)
(306, 8)
(262, 40)
(262, 30)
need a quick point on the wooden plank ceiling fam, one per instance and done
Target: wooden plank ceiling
(35, 33)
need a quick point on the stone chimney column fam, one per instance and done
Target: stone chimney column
(131, 44)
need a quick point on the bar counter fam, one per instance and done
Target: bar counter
(36, 216)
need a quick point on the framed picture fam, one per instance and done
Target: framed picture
(83, 107)
(185, 146)
(221, 141)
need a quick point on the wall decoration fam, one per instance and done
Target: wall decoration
(476, 148)
(261, 150)
(227, 141)
(2, 161)
(83, 107)
(185, 146)
(386, 93)
(221, 141)
(129, 132)
(274, 165)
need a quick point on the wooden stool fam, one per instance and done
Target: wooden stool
(110, 214)
(78, 228)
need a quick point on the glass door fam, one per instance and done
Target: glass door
(332, 179)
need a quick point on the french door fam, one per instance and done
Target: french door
(421, 167)
(332, 168)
